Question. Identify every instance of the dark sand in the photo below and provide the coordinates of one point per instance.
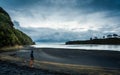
(7, 68)
(107, 60)
(110, 59)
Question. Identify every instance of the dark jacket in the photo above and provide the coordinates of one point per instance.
(31, 55)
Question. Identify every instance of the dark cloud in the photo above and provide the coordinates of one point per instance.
(17, 3)
(106, 4)
(97, 5)
(101, 14)
(87, 4)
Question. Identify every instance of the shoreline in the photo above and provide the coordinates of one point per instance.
(80, 46)
(14, 48)
(60, 60)
(54, 69)
(78, 49)
(11, 48)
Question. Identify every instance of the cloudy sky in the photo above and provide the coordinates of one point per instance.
(62, 20)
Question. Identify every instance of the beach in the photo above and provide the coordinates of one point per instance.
(7, 68)
(67, 61)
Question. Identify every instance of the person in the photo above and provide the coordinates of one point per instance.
(31, 59)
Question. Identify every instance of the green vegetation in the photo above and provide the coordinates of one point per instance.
(9, 36)
(109, 39)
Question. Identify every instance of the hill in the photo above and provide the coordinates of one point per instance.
(111, 39)
(9, 36)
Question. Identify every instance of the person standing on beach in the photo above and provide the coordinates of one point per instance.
(31, 59)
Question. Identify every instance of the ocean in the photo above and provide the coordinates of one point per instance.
(81, 46)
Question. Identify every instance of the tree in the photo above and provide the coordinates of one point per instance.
(96, 37)
(91, 38)
(109, 36)
(115, 35)
(103, 37)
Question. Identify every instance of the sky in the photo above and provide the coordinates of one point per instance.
(63, 20)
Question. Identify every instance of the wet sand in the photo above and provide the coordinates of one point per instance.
(76, 59)
(109, 59)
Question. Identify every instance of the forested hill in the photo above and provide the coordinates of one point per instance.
(9, 36)
(111, 39)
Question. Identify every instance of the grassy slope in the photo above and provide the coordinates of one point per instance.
(9, 36)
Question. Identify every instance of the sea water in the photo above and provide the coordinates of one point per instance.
(80, 46)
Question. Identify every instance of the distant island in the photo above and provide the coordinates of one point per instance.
(109, 39)
(9, 36)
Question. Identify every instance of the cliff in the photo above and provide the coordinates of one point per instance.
(9, 36)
